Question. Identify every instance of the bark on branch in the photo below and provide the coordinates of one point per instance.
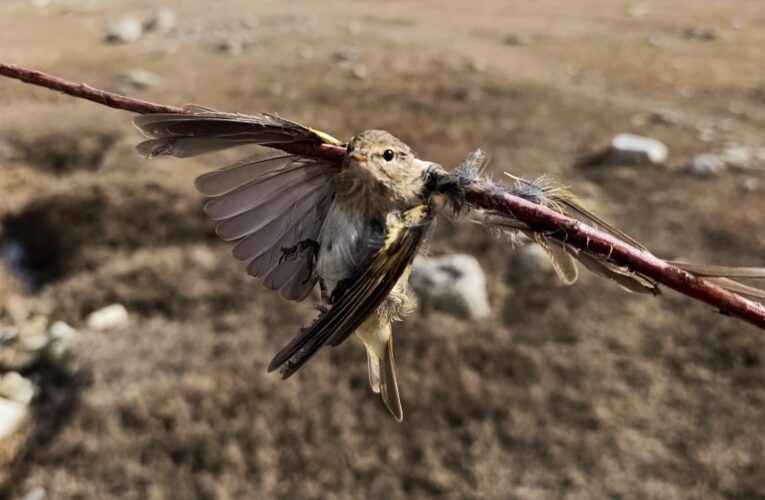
(478, 195)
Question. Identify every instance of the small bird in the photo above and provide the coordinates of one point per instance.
(352, 226)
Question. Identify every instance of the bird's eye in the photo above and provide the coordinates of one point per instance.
(388, 155)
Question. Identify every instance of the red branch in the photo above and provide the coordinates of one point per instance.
(479, 196)
(597, 242)
(84, 91)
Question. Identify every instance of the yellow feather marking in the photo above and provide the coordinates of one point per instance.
(396, 223)
(325, 137)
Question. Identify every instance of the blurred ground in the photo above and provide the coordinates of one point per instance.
(582, 392)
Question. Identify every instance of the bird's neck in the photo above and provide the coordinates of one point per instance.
(361, 191)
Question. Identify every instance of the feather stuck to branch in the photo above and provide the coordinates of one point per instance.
(561, 231)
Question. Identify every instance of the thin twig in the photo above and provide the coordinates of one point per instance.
(84, 91)
(479, 196)
(597, 242)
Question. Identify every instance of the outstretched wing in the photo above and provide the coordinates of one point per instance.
(403, 235)
(267, 204)
(201, 130)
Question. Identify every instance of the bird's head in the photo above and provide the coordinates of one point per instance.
(378, 150)
(386, 162)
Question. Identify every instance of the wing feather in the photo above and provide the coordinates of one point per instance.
(269, 204)
(561, 260)
(202, 130)
(265, 203)
(227, 179)
(263, 237)
(282, 188)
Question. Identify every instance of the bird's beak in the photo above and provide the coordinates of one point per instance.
(359, 155)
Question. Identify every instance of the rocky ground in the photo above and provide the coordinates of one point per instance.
(576, 392)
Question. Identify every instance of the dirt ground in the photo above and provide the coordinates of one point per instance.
(564, 392)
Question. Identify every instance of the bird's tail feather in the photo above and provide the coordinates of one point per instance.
(373, 365)
(389, 384)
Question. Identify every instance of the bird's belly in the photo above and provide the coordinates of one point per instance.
(338, 241)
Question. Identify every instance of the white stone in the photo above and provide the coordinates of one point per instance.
(36, 493)
(107, 318)
(707, 165)
(33, 335)
(12, 417)
(8, 333)
(630, 148)
(17, 388)
(454, 284)
(739, 157)
(61, 331)
(124, 30)
(530, 259)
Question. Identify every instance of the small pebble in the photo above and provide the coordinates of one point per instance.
(750, 184)
(630, 148)
(707, 165)
(230, 46)
(700, 34)
(17, 388)
(360, 72)
(347, 54)
(125, 30)
(454, 284)
(12, 417)
(61, 331)
(518, 39)
(36, 493)
(530, 259)
(739, 157)
(107, 318)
